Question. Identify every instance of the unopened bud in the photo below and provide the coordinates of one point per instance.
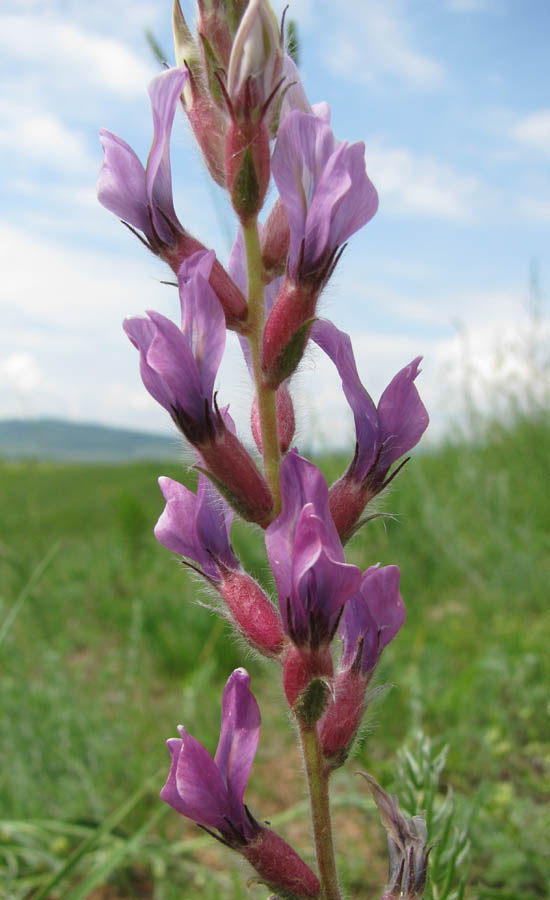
(252, 612)
(275, 240)
(233, 471)
(342, 717)
(287, 331)
(256, 62)
(347, 500)
(247, 167)
(280, 867)
(301, 667)
(285, 420)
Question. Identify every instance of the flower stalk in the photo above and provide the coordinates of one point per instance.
(266, 396)
(318, 779)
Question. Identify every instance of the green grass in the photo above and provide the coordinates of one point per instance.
(103, 651)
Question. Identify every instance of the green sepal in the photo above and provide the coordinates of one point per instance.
(213, 68)
(290, 356)
(246, 188)
(312, 702)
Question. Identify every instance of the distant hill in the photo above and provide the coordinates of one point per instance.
(57, 439)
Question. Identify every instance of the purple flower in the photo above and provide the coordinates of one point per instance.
(325, 189)
(197, 526)
(383, 433)
(210, 791)
(179, 366)
(371, 619)
(143, 197)
(307, 558)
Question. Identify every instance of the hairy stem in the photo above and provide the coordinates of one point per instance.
(317, 778)
(265, 396)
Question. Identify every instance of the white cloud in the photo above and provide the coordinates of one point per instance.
(376, 39)
(31, 136)
(533, 131)
(19, 372)
(73, 53)
(536, 209)
(420, 185)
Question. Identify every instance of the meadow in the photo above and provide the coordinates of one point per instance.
(104, 650)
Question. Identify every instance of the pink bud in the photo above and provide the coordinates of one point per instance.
(285, 420)
(252, 612)
(286, 331)
(301, 666)
(231, 298)
(237, 477)
(276, 240)
(347, 500)
(280, 867)
(247, 167)
(341, 719)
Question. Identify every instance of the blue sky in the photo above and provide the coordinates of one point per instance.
(452, 100)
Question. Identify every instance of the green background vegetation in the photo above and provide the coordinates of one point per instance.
(104, 650)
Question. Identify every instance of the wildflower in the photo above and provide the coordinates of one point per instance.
(313, 580)
(210, 791)
(384, 433)
(327, 197)
(178, 368)
(371, 619)
(142, 198)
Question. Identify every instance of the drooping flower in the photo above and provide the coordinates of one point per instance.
(384, 433)
(178, 368)
(197, 527)
(371, 619)
(306, 556)
(210, 792)
(179, 365)
(325, 189)
(142, 197)
(327, 197)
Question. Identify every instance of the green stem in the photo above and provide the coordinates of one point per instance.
(266, 396)
(317, 778)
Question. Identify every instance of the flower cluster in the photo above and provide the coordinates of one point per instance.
(330, 621)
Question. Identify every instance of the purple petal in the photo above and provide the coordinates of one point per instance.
(321, 585)
(121, 182)
(358, 624)
(171, 357)
(301, 483)
(141, 332)
(239, 736)
(203, 318)
(375, 614)
(380, 588)
(195, 787)
(337, 345)
(402, 415)
(212, 528)
(164, 91)
(360, 203)
(175, 528)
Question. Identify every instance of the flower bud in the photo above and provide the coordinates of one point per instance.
(256, 61)
(286, 331)
(235, 474)
(340, 721)
(252, 612)
(280, 867)
(275, 240)
(285, 420)
(247, 167)
(301, 667)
